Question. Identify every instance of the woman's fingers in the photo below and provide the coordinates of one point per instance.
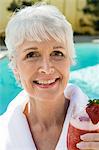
(88, 145)
(90, 141)
(90, 137)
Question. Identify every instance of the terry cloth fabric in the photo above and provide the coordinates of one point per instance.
(14, 130)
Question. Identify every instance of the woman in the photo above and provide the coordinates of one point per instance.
(41, 51)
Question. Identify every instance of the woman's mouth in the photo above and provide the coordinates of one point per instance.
(46, 83)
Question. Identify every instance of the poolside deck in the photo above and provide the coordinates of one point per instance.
(86, 39)
(3, 51)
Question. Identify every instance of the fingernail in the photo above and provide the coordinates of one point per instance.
(78, 145)
(81, 137)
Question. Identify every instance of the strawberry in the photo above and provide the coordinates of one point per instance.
(93, 110)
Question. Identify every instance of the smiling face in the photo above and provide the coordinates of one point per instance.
(43, 68)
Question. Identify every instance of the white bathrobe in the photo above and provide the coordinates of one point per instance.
(14, 130)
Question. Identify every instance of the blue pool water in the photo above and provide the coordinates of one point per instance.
(85, 74)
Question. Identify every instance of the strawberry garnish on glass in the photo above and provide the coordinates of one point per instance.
(92, 110)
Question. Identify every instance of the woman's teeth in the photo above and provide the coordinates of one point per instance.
(46, 82)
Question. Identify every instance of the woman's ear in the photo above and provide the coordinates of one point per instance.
(13, 65)
(16, 73)
(17, 76)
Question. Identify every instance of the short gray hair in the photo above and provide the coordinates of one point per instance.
(38, 23)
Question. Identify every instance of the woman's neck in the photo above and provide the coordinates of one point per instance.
(47, 113)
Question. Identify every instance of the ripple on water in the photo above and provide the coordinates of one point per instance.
(87, 79)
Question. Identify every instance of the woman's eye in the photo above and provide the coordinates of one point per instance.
(32, 54)
(57, 54)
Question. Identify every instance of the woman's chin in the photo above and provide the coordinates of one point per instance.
(48, 91)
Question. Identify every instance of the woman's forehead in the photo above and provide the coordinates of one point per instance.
(48, 43)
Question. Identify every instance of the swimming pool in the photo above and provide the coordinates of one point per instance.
(85, 74)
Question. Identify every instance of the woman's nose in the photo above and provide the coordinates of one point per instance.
(46, 67)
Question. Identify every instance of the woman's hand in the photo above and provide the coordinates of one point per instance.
(90, 141)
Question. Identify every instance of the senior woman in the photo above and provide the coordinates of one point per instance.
(41, 50)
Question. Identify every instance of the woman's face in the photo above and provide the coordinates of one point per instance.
(43, 68)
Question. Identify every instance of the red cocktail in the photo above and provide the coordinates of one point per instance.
(82, 123)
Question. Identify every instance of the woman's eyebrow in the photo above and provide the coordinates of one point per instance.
(30, 48)
(57, 47)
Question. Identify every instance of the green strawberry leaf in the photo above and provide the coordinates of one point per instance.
(94, 101)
